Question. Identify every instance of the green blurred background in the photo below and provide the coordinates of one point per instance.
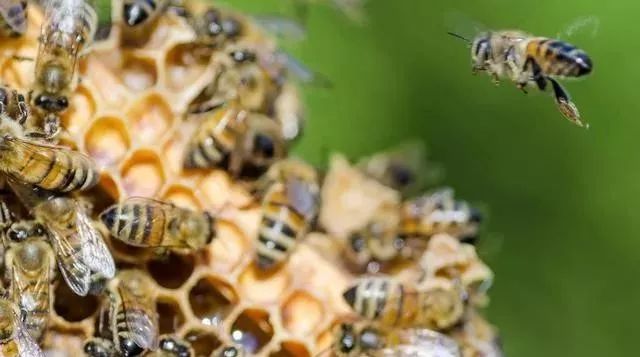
(561, 235)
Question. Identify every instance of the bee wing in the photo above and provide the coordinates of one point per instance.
(301, 198)
(353, 9)
(463, 25)
(27, 347)
(9, 9)
(143, 328)
(94, 251)
(74, 271)
(26, 289)
(583, 27)
(301, 72)
(282, 27)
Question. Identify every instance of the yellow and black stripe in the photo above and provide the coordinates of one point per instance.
(558, 58)
(137, 224)
(214, 141)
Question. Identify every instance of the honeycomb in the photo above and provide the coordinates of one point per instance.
(128, 114)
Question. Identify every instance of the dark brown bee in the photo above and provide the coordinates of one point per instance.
(13, 18)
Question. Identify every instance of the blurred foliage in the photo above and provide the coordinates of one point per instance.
(561, 198)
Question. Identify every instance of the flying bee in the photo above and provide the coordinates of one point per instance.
(131, 312)
(243, 142)
(289, 207)
(140, 18)
(526, 59)
(145, 222)
(67, 32)
(53, 168)
(15, 341)
(390, 303)
(30, 263)
(80, 251)
(13, 18)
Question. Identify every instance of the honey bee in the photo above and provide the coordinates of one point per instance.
(289, 207)
(13, 18)
(439, 212)
(30, 263)
(352, 340)
(213, 26)
(526, 59)
(140, 18)
(173, 347)
(67, 32)
(80, 251)
(244, 142)
(15, 341)
(53, 168)
(145, 222)
(132, 317)
(391, 303)
(99, 347)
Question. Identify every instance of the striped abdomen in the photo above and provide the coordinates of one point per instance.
(384, 300)
(280, 229)
(137, 224)
(124, 336)
(213, 142)
(558, 58)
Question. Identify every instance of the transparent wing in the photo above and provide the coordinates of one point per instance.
(301, 198)
(301, 72)
(94, 251)
(14, 15)
(74, 271)
(353, 9)
(282, 27)
(143, 328)
(462, 25)
(27, 347)
(424, 342)
(581, 28)
(25, 288)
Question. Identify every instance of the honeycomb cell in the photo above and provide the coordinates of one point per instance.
(138, 73)
(203, 342)
(228, 248)
(262, 286)
(107, 141)
(128, 253)
(170, 316)
(291, 349)
(142, 174)
(183, 66)
(252, 329)
(181, 196)
(172, 270)
(150, 118)
(107, 84)
(301, 304)
(72, 307)
(211, 299)
(81, 110)
(215, 188)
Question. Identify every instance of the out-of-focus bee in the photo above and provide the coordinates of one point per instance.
(246, 143)
(214, 27)
(80, 251)
(230, 351)
(13, 18)
(394, 304)
(289, 207)
(526, 59)
(30, 263)
(356, 339)
(171, 346)
(132, 318)
(49, 167)
(439, 212)
(140, 17)
(67, 32)
(100, 347)
(145, 222)
(15, 340)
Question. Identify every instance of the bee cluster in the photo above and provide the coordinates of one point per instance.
(149, 206)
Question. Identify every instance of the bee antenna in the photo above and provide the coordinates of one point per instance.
(459, 36)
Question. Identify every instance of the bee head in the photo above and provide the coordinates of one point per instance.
(129, 348)
(230, 352)
(347, 339)
(134, 14)
(212, 22)
(98, 348)
(480, 49)
(370, 339)
(174, 347)
(51, 103)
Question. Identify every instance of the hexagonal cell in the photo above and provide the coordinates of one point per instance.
(142, 174)
(262, 286)
(139, 73)
(182, 67)
(170, 316)
(82, 107)
(302, 313)
(172, 270)
(211, 300)
(110, 88)
(181, 196)
(229, 247)
(72, 307)
(203, 342)
(107, 141)
(214, 189)
(128, 253)
(150, 118)
(291, 349)
(252, 329)
(104, 194)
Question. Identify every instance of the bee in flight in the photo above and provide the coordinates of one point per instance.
(391, 303)
(15, 340)
(13, 18)
(67, 32)
(526, 59)
(30, 264)
(145, 222)
(290, 204)
(140, 18)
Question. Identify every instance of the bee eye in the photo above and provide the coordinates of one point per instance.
(62, 102)
(242, 56)
(40, 100)
(231, 27)
(402, 176)
(230, 352)
(130, 348)
(264, 145)
(17, 234)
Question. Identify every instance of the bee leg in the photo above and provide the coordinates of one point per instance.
(23, 110)
(540, 80)
(51, 126)
(565, 105)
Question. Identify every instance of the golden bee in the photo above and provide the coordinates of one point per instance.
(526, 59)
(140, 18)
(245, 143)
(30, 263)
(13, 18)
(290, 205)
(15, 340)
(67, 32)
(391, 303)
(145, 222)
